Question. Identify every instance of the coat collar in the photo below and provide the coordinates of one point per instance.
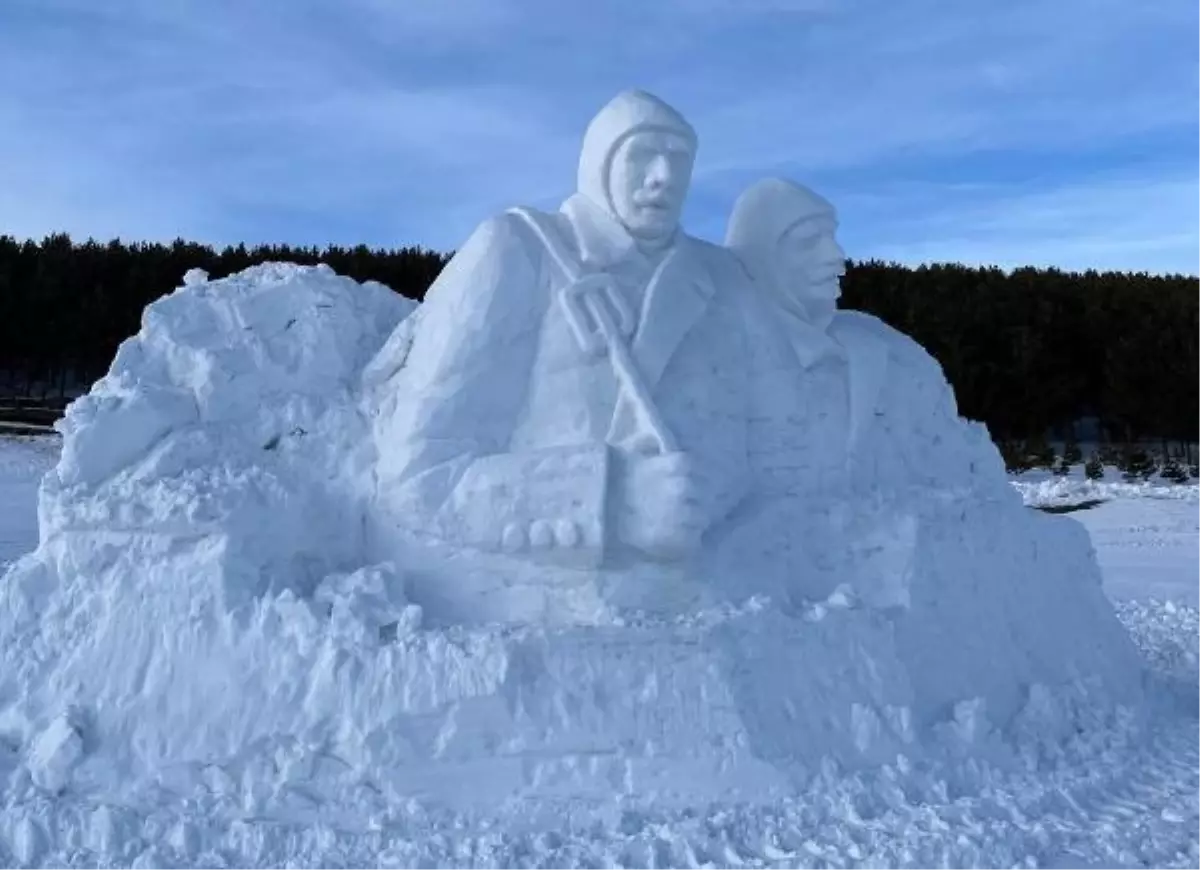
(810, 343)
(678, 293)
(601, 239)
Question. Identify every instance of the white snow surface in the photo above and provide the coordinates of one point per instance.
(1120, 797)
(1145, 532)
(23, 463)
(197, 666)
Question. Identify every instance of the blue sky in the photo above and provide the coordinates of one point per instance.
(1051, 132)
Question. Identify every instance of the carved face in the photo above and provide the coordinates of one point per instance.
(648, 181)
(810, 263)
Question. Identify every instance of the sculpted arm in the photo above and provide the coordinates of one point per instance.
(445, 467)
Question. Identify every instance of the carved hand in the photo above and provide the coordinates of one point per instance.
(660, 505)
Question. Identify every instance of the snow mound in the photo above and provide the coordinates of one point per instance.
(1046, 490)
(201, 615)
(230, 414)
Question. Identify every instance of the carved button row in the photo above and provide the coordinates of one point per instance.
(540, 535)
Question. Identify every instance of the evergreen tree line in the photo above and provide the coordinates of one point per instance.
(1043, 354)
(1032, 352)
(66, 306)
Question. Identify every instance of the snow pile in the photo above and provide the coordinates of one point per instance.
(231, 417)
(1052, 490)
(200, 617)
(209, 482)
(1121, 796)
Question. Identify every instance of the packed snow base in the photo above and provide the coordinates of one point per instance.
(1121, 797)
(198, 619)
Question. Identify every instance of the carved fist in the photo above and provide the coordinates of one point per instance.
(660, 505)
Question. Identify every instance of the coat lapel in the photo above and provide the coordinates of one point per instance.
(677, 297)
(810, 344)
(867, 358)
(601, 241)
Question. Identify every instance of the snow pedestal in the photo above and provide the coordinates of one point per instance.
(317, 696)
(728, 703)
(731, 704)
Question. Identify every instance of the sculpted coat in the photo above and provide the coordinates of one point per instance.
(848, 420)
(507, 439)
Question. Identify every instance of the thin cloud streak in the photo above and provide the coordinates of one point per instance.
(1139, 224)
(401, 123)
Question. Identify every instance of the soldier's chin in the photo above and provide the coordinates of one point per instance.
(653, 224)
(820, 311)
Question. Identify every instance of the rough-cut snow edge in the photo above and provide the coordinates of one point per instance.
(1118, 796)
(1045, 489)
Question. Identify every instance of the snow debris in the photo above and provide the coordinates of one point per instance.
(55, 753)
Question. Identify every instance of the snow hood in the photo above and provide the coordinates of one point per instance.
(627, 113)
(768, 209)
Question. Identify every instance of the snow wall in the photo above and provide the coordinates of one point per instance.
(202, 614)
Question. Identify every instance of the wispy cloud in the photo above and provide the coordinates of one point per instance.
(408, 122)
(1134, 223)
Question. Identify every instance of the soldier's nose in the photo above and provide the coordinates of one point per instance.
(658, 173)
(831, 250)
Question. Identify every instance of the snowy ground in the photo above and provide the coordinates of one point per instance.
(23, 461)
(1145, 534)
(1119, 798)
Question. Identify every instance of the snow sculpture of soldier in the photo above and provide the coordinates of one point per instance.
(848, 420)
(785, 234)
(571, 419)
(865, 477)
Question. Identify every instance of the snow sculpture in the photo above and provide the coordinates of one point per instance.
(786, 235)
(571, 420)
(741, 535)
(868, 484)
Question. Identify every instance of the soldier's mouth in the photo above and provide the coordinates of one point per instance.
(830, 273)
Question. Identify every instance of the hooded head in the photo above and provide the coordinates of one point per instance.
(636, 164)
(786, 236)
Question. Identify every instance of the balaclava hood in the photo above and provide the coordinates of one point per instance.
(765, 212)
(761, 217)
(627, 113)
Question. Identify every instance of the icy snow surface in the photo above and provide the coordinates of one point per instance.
(23, 462)
(1144, 532)
(623, 548)
(1117, 798)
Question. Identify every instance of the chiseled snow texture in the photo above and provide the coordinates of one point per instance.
(1046, 489)
(1117, 796)
(213, 475)
(230, 418)
(198, 625)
